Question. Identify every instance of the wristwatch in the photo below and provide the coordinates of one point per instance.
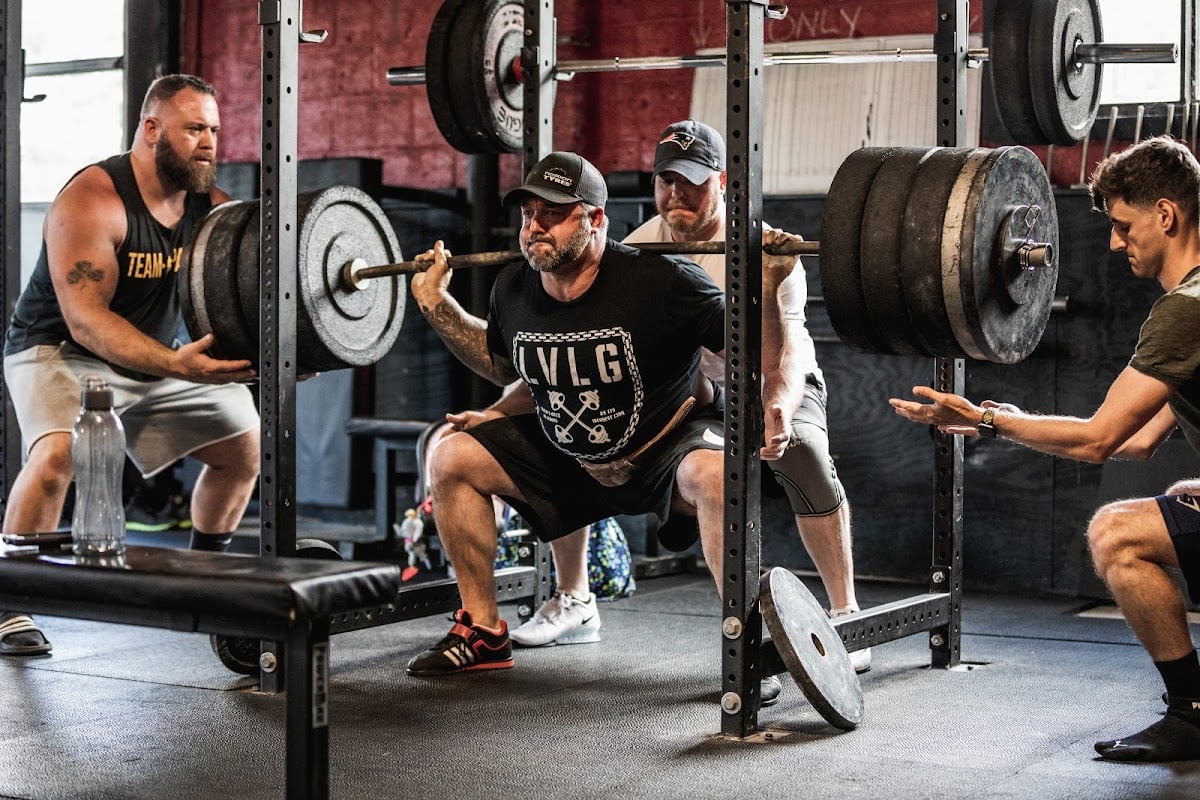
(986, 428)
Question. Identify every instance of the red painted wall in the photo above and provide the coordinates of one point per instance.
(347, 107)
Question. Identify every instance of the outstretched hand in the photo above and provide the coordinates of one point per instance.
(951, 413)
(196, 365)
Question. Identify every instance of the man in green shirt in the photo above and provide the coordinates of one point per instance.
(1151, 193)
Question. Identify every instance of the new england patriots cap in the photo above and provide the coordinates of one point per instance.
(692, 149)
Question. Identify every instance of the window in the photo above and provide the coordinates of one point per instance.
(1154, 21)
(73, 55)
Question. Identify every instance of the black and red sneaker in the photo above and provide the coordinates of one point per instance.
(465, 648)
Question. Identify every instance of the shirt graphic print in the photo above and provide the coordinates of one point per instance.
(586, 386)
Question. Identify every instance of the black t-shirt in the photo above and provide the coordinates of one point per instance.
(609, 369)
(148, 266)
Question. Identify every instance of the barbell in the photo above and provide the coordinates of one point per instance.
(1045, 66)
(945, 252)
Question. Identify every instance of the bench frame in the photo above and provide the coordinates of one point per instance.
(302, 630)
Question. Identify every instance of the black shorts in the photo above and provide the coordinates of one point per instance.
(560, 496)
(1181, 512)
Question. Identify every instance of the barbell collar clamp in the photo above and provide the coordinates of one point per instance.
(1033, 255)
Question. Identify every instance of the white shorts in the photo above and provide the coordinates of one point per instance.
(164, 419)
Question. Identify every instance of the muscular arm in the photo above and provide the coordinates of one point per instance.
(1131, 422)
(83, 229)
(784, 293)
(464, 334)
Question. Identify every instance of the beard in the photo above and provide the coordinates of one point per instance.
(689, 223)
(570, 250)
(181, 173)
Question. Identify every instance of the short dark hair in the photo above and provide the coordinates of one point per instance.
(168, 86)
(1159, 167)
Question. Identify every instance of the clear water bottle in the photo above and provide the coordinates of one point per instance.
(98, 453)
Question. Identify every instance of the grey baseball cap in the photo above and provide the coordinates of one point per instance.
(562, 178)
(692, 149)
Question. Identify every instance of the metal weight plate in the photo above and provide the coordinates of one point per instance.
(336, 328)
(1009, 67)
(342, 327)
(248, 296)
(233, 335)
(841, 228)
(998, 313)
(205, 285)
(811, 649)
(1066, 95)
(490, 96)
(921, 250)
(438, 69)
(879, 245)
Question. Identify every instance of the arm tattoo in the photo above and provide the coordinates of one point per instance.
(466, 338)
(84, 270)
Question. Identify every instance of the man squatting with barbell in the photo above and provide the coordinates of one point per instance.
(1151, 193)
(689, 191)
(103, 299)
(607, 342)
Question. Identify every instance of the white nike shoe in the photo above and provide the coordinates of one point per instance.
(563, 619)
(859, 659)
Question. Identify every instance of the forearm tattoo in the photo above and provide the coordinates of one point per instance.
(465, 336)
(84, 270)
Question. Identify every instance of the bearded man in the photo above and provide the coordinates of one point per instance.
(102, 299)
(606, 342)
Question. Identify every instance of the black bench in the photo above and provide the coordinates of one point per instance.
(285, 600)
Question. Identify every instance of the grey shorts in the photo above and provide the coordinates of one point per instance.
(164, 419)
(806, 471)
(561, 497)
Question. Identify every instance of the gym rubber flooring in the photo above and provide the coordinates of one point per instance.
(126, 712)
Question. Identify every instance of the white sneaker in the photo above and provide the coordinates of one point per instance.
(563, 619)
(859, 659)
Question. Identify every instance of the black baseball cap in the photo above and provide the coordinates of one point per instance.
(692, 149)
(563, 178)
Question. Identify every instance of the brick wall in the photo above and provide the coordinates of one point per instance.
(348, 109)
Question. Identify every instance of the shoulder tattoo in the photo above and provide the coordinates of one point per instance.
(85, 271)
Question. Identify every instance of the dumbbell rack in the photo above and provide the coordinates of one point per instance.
(744, 658)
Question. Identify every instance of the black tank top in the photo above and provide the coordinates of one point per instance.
(148, 268)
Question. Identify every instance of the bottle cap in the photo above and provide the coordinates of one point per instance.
(96, 393)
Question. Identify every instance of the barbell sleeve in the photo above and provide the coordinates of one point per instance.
(1114, 53)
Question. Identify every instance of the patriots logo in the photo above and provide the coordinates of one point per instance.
(681, 140)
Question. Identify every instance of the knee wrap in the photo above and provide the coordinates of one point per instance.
(807, 474)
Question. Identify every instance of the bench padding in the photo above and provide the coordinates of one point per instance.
(274, 592)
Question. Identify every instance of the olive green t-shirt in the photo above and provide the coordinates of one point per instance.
(1168, 350)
